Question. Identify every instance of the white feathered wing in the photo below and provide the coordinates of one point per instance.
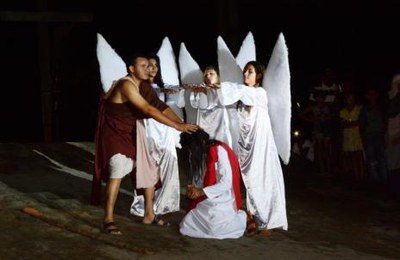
(112, 67)
(190, 74)
(170, 75)
(169, 69)
(190, 71)
(247, 51)
(277, 84)
(229, 70)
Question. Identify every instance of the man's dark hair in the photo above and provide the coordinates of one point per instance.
(131, 59)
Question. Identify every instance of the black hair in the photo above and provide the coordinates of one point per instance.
(198, 137)
(158, 78)
(131, 59)
(197, 144)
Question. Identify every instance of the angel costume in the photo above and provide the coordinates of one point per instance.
(218, 215)
(258, 155)
(217, 120)
(264, 133)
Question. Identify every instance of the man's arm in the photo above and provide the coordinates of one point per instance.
(131, 92)
(168, 112)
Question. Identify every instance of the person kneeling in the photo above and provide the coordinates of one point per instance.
(214, 211)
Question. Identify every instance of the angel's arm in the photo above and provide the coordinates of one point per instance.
(229, 93)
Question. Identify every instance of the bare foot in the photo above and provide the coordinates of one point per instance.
(157, 220)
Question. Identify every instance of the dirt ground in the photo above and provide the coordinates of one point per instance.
(45, 214)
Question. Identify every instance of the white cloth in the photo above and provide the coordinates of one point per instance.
(191, 110)
(162, 141)
(120, 166)
(176, 101)
(258, 156)
(216, 216)
(215, 118)
(147, 170)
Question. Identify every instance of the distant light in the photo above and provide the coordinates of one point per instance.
(298, 104)
(296, 133)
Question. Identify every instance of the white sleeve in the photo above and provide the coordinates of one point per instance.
(209, 100)
(194, 99)
(229, 93)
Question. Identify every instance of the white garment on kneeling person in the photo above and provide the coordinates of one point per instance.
(216, 216)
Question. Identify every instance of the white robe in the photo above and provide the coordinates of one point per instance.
(258, 156)
(215, 118)
(216, 216)
(162, 141)
(175, 101)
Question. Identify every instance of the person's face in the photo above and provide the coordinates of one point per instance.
(250, 76)
(211, 77)
(141, 68)
(153, 68)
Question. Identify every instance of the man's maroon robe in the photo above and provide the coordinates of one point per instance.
(116, 133)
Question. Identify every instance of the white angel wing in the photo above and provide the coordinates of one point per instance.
(170, 75)
(229, 70)
(190, 73)
(247, 51)
(169, 69)
(277, 83)
(189, 69)
(112, 67)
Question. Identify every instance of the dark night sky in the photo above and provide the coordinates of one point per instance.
(355, 38)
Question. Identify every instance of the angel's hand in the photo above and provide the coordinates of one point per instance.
(187, 86)
(199, 88)
(215, 85)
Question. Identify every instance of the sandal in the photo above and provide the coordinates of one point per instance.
(111, 228)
